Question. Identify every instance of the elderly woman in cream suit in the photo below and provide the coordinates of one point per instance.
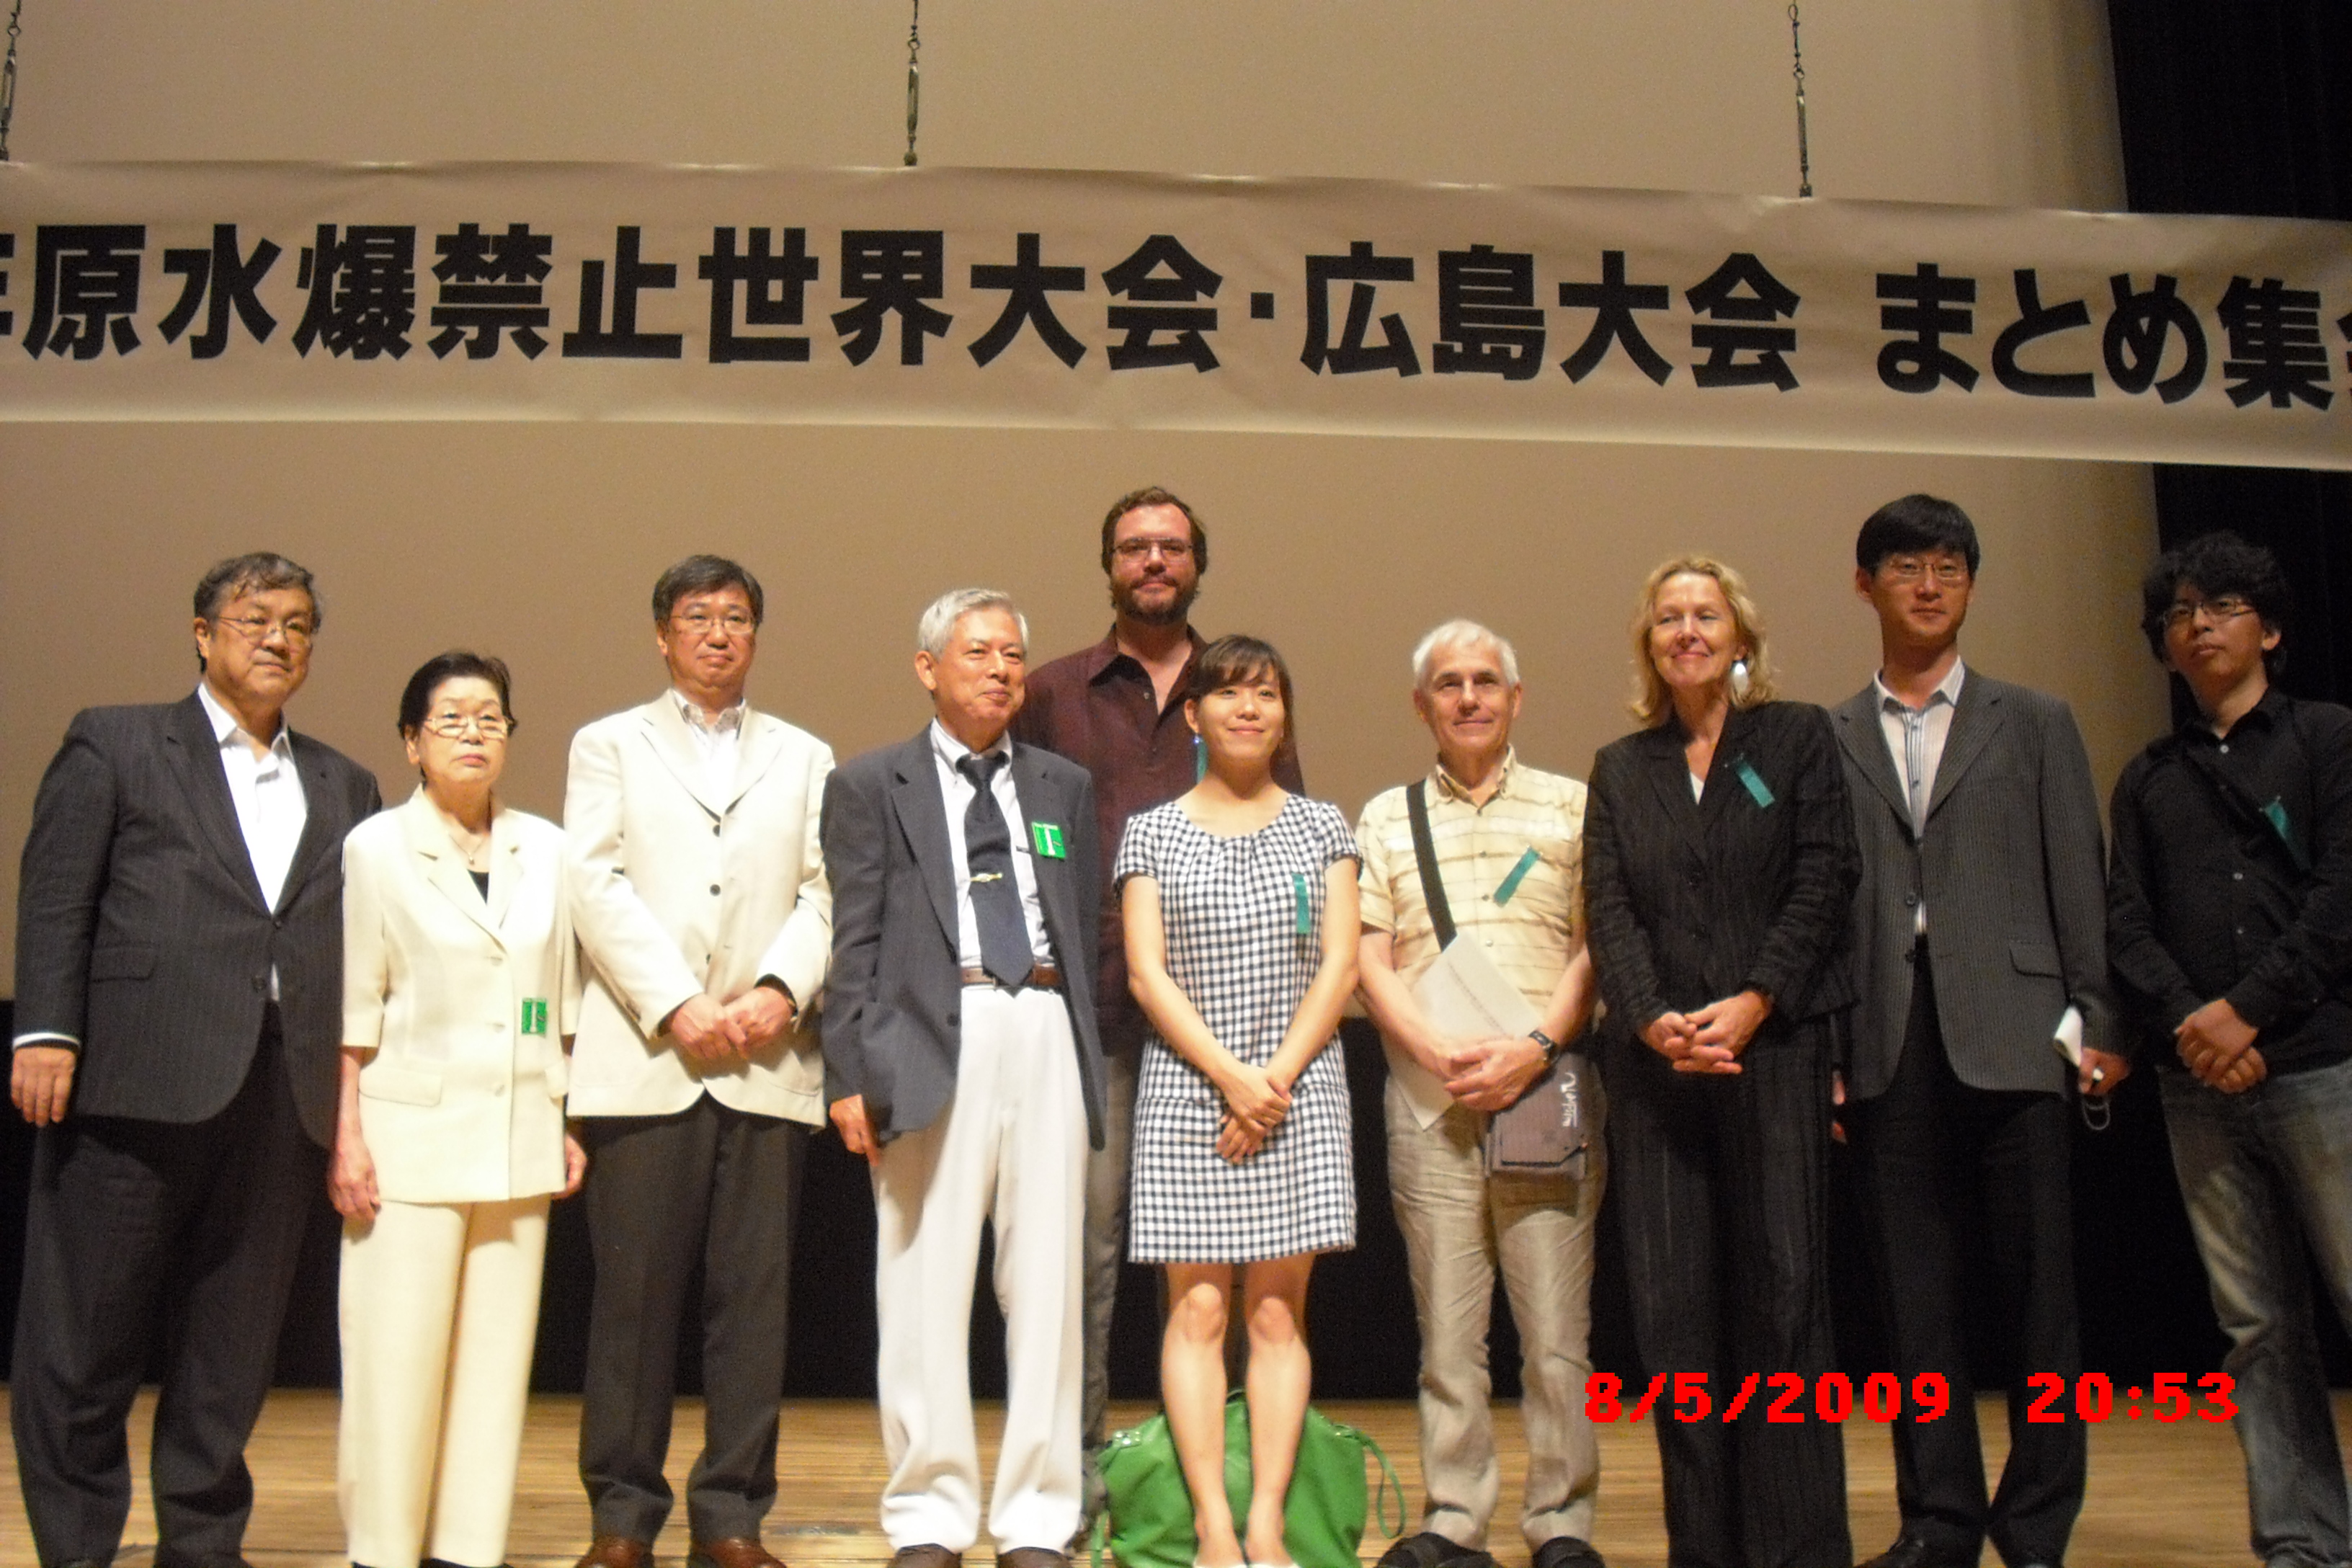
(461, 985)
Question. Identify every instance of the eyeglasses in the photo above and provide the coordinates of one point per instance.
(734, 622)
(298, 630)
(2228, 607)
(1141, 549)
(453, 726)
(1947, 572)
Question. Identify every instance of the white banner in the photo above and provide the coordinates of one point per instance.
(999, 298)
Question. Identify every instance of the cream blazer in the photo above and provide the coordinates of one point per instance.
(464, 1003)
(675, 891)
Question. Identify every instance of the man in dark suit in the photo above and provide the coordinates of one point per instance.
(963, 1061)
(178, 1002)
(1980, 941)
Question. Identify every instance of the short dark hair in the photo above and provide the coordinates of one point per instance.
(257, 573)
(457, 664)
(2217, 566)
(1231, 660)
(705, 574)
(1153, 495)
(1912, 524)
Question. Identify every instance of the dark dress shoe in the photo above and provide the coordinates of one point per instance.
(1910, 1552)
(1567, 1552)
(734, 1551)
(616, 1551)
(926, 1555)
(1032, 1557)
(1429, 1550)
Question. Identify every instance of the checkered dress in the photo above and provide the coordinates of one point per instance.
(1230, 909)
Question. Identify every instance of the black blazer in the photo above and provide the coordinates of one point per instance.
(1692, 900)
(893, 999)
(141, 932)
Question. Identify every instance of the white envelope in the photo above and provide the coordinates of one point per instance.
(1464, 995)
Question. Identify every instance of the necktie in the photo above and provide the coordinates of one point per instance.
(988, 850)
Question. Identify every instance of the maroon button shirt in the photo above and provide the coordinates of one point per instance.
(1095, 707)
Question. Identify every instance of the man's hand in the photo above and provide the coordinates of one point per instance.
(857, 1127)
(40, 1081)
(762, 1012)
(1489, 1074)
(2211, 1038)
(704, 1030)
(2100, 1072)
(2243, 1074)
(1837, 1106)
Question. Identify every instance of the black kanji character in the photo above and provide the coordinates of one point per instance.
(1931, 313)
(363, 290)
(491, 284)
(891, 269)
(2274, 347)
(1169, 304)
(85, 289)
(7, 252)
(1361, 271)
(631, 276)
(1028, 281)
(2137, 335)
(2035, 319)
(1717, 297)
(227, 281)
(1487, 318)
(1613, 301)
(775, 285)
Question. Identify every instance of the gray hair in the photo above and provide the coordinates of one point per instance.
(939, 621)
(1424, 652)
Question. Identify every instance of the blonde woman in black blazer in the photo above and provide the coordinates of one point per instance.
(1719, 870)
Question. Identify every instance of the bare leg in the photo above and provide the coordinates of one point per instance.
(1274, 1296)
(1192, 1386)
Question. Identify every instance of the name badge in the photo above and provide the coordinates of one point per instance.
(1306, 908)
(534, 1015)
(1046, 840)
(1527, 863)
(1756, 788)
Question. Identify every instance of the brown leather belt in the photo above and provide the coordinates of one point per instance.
(1042, 977)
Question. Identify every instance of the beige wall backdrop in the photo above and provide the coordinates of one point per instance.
(538, 541)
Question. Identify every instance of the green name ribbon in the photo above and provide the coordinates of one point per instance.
(1527, 863)
(534, 1015)
(1200, 758)
(1047, 840)
(2275, 814)
(1756, 788)
(1306, 910)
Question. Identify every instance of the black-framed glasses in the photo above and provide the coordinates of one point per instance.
(1141, 548)
(2218, 611)
(298, 630)
(452, 726)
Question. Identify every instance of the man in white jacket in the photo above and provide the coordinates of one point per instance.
(698, 893)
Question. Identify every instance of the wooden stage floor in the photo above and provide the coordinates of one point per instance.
(2160, 1495)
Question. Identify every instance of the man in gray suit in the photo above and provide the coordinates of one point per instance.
(963, 1061)
(179, 1003)
(1979, 936)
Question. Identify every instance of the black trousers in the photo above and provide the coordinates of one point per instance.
(133, 1226)
(712, 1189)
(1722, 1188)
(1965, 1191)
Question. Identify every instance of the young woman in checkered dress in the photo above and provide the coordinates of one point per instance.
(1240, 901)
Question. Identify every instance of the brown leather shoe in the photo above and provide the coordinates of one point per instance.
(735, 1552)
(1032, 1557)
(616, 1551)
(926, 1556)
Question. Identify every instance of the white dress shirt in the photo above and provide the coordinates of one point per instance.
(717, 741)
(267, 791)
(1914, 739)
(957, 793)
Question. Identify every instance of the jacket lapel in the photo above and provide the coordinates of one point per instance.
(1858, 732)
(665, 731)
(1669, 774)
(923, 815)
(322, 831)
(756, 751)
(444, 867)
(506, 867)
(1054, 892)
(195, 753)
(1975, 719)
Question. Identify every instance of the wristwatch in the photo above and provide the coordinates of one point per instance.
(1551, 1047)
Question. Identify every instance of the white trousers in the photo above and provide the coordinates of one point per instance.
(440, 1308)
(1010, 1150)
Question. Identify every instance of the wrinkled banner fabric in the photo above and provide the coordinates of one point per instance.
(1103, 301)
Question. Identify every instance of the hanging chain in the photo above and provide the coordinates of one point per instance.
(914, 78)
(9, 77)
(1804, 148)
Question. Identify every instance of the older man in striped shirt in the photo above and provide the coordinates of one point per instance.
(1508, 844)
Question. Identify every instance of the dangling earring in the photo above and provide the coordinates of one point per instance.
(1738, 680)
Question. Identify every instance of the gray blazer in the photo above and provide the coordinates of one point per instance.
(2010, 865)
(143, 934)
(893, 996)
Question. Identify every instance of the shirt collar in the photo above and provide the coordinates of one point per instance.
(225, 726)
(729, 722)
(1947, 688)
(2271, 710)
(1451, 787)
(951, 751)
(1106, 653)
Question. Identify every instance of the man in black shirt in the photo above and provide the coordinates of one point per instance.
(2229, 929)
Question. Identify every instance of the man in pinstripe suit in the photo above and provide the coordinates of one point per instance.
(1979, 925)
(179, 975)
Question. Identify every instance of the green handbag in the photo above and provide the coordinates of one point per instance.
(1149, 1519)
